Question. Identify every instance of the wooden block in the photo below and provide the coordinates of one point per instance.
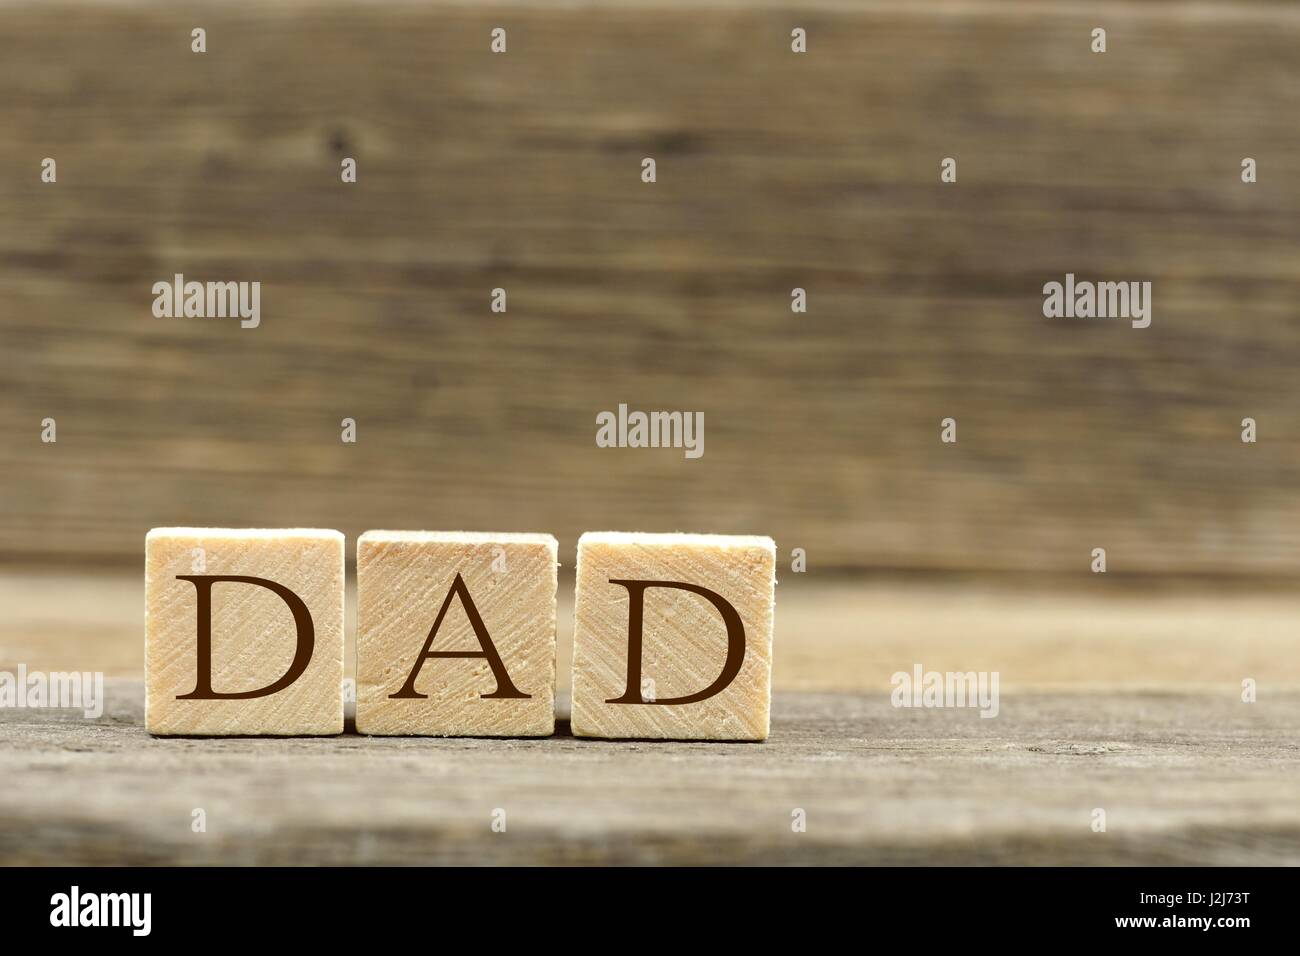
(673, 636)
(456, 634)
(243, 631)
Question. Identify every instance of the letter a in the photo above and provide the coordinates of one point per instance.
(504, 690)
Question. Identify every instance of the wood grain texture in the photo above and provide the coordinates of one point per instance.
(775, 170)
(1191, 779)
(685, 643)
(252, 636)
(492, 596)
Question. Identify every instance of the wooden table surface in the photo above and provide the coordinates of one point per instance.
(1124, 698)
(1182, 779)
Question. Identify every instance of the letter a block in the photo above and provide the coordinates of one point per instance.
(243, 631)
(673, 636)
(456, 634)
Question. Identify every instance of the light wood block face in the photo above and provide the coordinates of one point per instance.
(692, 643)
(254, 636)
(491, 599)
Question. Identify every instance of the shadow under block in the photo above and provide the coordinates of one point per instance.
(456, 634)
(284, 635)
(705, 654)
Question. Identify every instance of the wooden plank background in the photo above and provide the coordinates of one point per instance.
(775, 171)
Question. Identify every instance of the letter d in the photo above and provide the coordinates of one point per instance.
(636, 614)
(301, 619)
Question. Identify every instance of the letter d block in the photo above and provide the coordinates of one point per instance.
(456, 634)
(673, 636)
(243, 631)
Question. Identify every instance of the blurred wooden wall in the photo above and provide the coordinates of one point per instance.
(775, 170)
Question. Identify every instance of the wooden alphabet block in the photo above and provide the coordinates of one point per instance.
(456, 634)
(243, 631)
(673, 636)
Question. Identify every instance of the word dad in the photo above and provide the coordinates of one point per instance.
(455, 634)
